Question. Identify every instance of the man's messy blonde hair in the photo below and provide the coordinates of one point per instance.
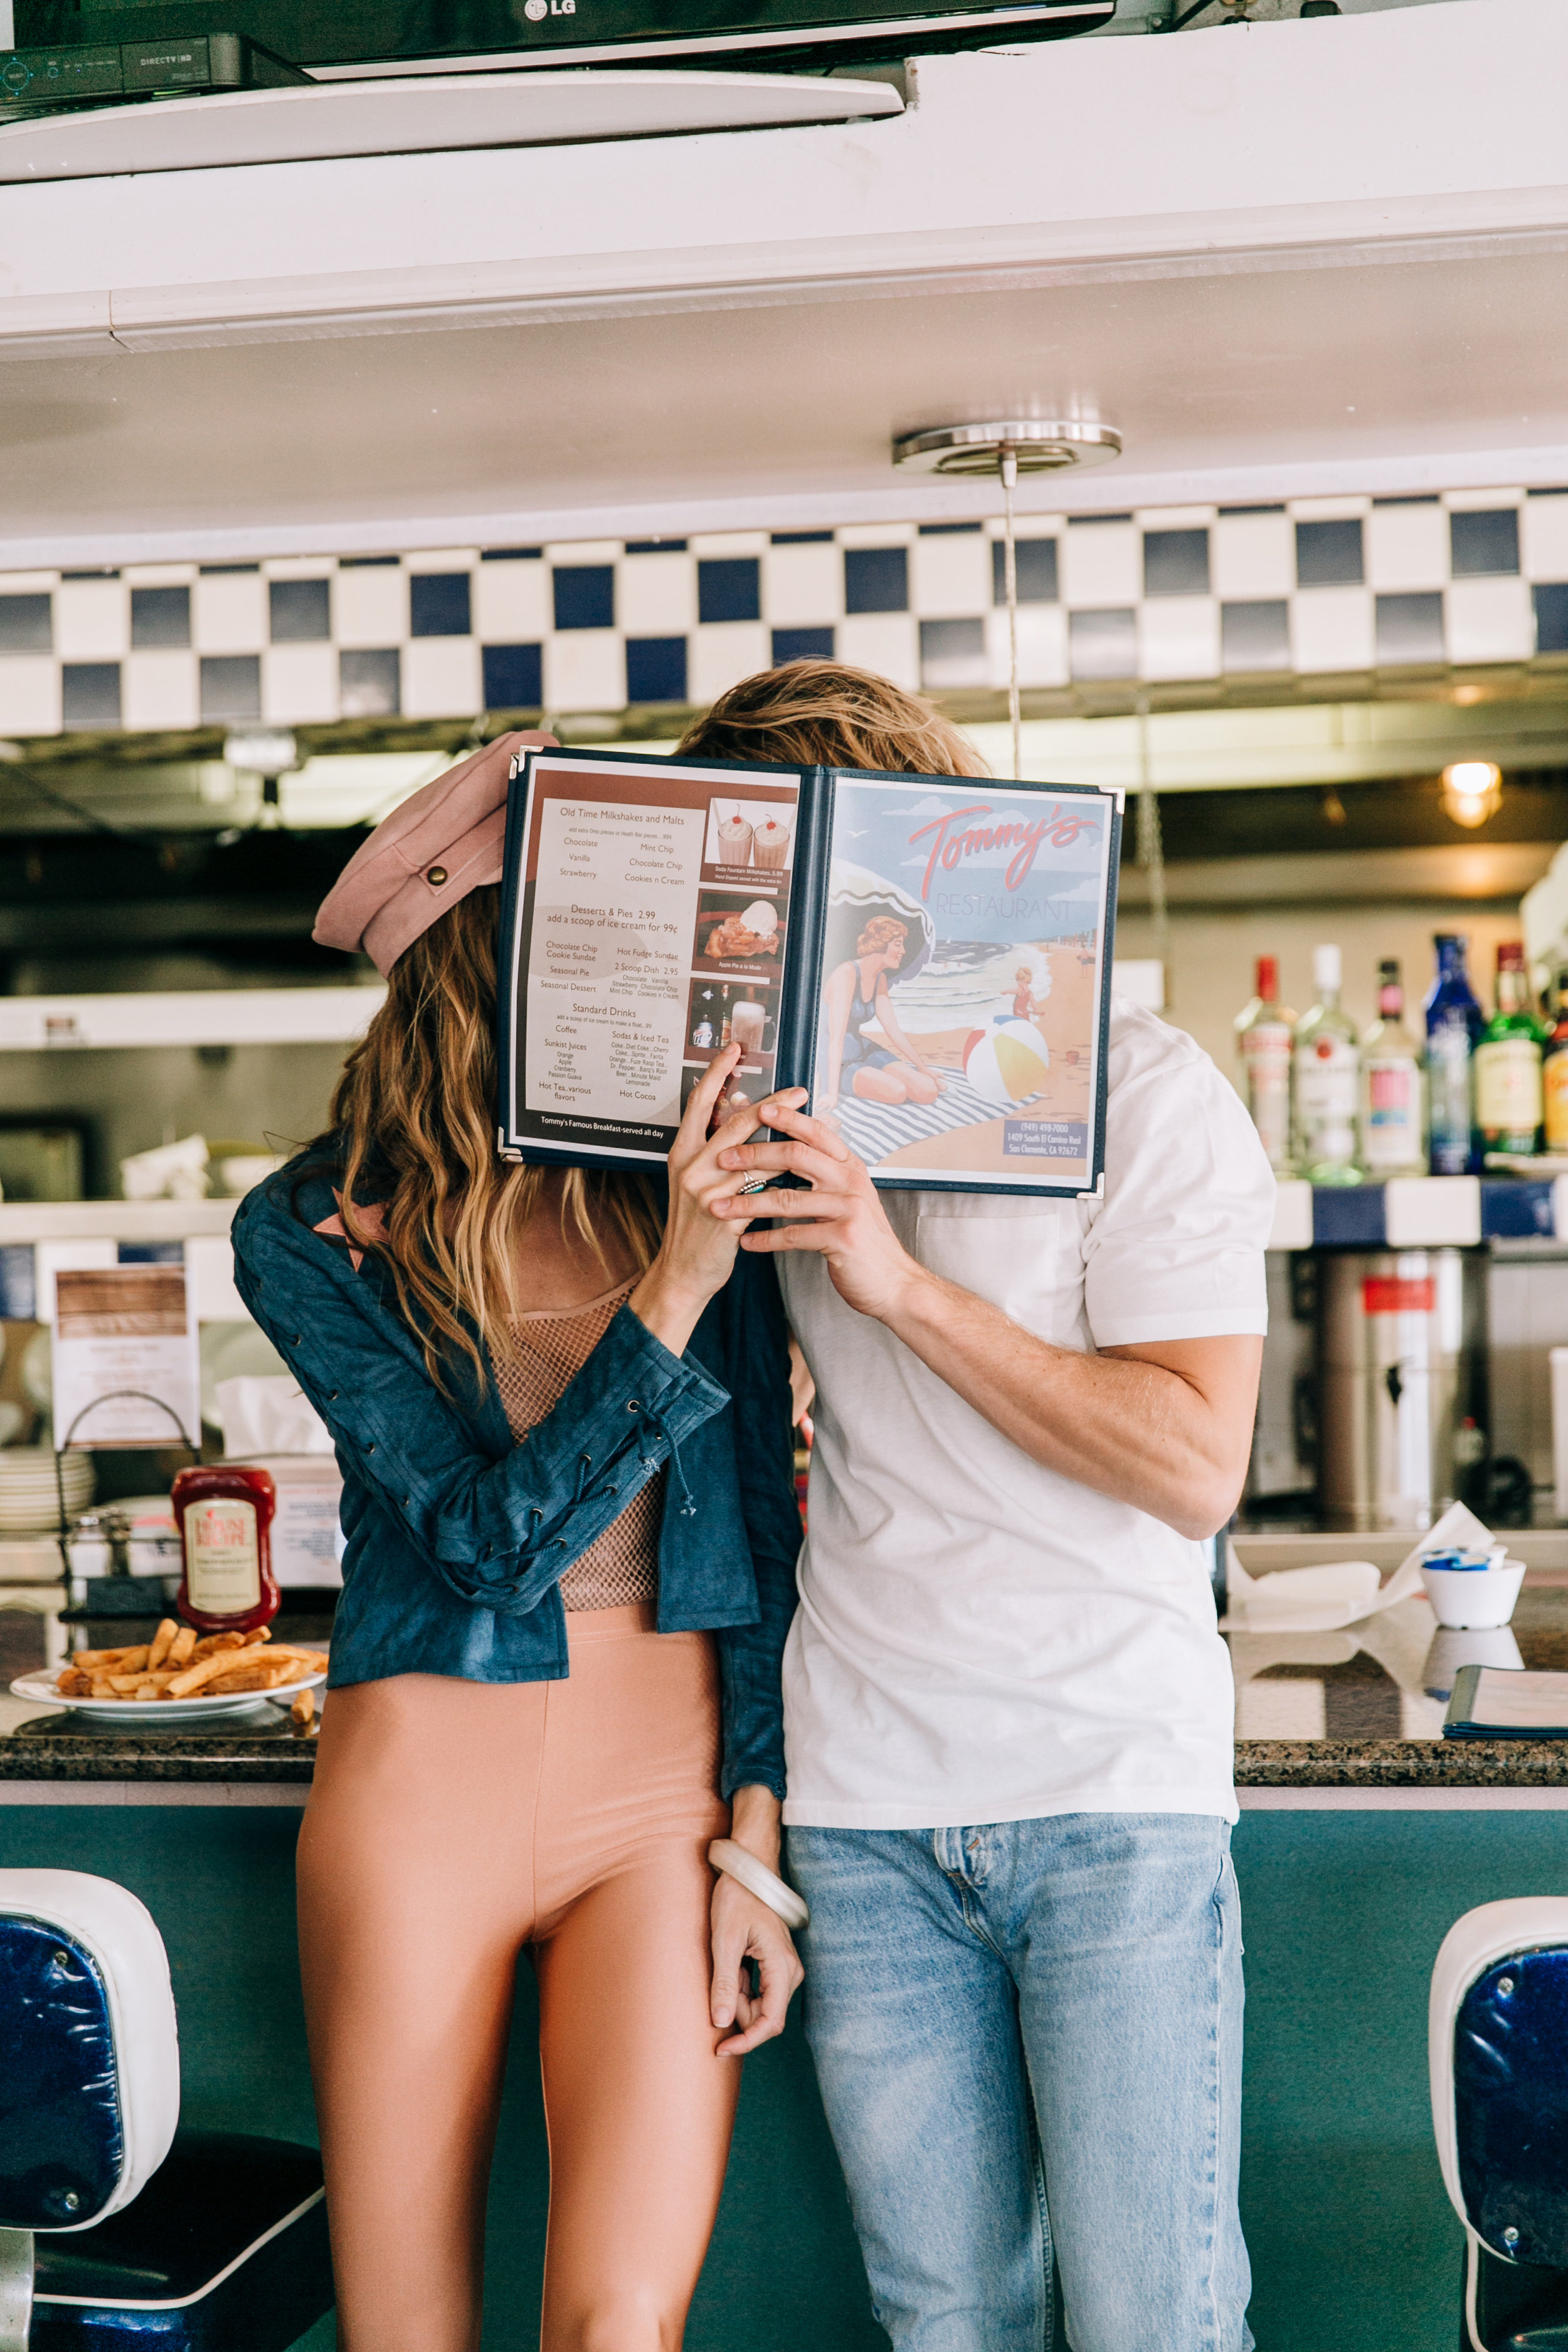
(823, 714)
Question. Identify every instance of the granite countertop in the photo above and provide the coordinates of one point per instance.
(63, 1746)
(261, 1746)
(1363, 1707)
(1359, 1708)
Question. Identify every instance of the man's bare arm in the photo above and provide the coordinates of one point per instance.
(1165, 1426)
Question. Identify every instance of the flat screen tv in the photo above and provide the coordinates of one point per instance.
(430, 35)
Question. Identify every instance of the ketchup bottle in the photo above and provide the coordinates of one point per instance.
(224, 1514)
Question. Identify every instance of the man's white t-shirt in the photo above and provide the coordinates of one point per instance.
(980, 1638)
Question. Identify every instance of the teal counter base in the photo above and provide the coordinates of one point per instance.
(1354, 2245)
(784, 2272)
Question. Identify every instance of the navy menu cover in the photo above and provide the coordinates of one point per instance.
(1507, 1703)
(929, 955)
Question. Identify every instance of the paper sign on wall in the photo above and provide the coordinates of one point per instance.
(118, 1328)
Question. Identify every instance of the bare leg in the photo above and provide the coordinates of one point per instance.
(639, 2108)
(414, 1901)
(883, 1086)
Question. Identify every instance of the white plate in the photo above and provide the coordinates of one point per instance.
(39, 1690)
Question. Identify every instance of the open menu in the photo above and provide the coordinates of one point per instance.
(929, 955)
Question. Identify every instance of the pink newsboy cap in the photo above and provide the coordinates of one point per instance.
(444, 841)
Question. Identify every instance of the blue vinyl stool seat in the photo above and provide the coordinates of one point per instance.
(1498, 2054)
(115, 2228)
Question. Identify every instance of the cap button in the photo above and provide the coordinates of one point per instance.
(436, 875)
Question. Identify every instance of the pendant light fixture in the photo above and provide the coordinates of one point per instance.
(1004, 450)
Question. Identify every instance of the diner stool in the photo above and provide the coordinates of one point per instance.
(116, 2227)
(1498, 2046)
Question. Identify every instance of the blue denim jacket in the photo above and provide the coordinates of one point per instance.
(457, 1534)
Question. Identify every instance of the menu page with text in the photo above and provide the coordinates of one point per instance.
(648, 925)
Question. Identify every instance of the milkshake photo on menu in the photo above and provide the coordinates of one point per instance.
(757, 834)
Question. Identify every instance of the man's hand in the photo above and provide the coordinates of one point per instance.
(841, 1217)
(1166, 1427)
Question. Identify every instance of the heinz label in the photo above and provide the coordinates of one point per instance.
(223, 1557)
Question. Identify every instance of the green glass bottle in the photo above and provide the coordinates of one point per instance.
(1508, 1062)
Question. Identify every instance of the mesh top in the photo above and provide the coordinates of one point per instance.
(622, 1565)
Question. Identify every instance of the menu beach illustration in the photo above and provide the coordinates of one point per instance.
(929, 955)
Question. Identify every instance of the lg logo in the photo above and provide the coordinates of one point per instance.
(537, 10)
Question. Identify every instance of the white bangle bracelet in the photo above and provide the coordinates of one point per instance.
(738, 1864)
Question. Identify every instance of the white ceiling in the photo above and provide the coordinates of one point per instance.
(1299, 258)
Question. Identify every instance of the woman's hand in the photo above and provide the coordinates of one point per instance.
(698, 1253)
(745, 1930)
(841, 1216)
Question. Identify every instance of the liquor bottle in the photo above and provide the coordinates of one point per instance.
(703, 1032)
(1454, 1025)
(1393, 1087)
(1554, 1070)
(725, 1019)
(1263, 1032)
(1508, 1062)
(1325, 1072)
(224, 1514)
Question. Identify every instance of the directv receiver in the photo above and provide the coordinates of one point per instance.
(102, 73)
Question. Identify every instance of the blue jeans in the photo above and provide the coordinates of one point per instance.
(1032, 2009)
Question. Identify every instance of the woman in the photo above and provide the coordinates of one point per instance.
(555, 1668)
(855, 994)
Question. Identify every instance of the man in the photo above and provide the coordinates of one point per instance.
(1008, 1712)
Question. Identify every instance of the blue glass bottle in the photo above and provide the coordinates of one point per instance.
(1454, 1025)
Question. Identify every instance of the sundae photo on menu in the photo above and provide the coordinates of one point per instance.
(929, 957)
(733, 928)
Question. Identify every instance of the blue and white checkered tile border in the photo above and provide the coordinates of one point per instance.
(1314, 586)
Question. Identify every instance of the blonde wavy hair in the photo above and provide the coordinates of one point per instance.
(414, 1131)
(413, 1114)
(882, 931)
(823, 714)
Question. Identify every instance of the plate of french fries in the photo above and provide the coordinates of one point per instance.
(181, 1677)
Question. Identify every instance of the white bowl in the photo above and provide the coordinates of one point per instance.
(247, 1169)
(1474, 1596)
(1454, 1646)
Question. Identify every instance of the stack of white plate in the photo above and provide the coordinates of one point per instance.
(29, 1496)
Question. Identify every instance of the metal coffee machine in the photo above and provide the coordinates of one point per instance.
(1403, 1417)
